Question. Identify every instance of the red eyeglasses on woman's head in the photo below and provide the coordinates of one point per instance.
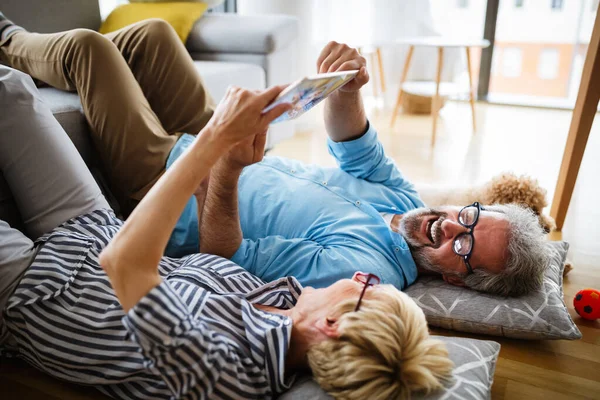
(368, 280)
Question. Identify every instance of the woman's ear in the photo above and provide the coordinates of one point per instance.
(329, 327)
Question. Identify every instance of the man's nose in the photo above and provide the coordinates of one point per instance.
(451, 229)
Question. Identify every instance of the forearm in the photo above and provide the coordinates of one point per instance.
(138, 247)
(200, 196)
(345, 117)
(220, 226)
(131, 259)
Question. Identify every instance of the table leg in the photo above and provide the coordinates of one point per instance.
(372, 62)
(436, 103)
(471, 88)
(381, 75)
(402, 79)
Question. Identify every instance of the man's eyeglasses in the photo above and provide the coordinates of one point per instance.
(367, 280)
(463, 243)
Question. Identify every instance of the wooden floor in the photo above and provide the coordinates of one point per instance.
(523, 140)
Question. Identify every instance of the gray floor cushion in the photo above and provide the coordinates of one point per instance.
(538, 315)
(473, 375)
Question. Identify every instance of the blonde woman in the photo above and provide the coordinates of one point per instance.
(93, 301)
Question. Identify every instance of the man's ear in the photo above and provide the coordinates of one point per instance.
(454, 280)
(329, 327)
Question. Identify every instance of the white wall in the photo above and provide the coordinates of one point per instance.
(450, 20)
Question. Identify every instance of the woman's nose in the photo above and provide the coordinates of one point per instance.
(451, 228)
(356, 276)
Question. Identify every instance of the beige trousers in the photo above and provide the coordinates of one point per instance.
(138, 87)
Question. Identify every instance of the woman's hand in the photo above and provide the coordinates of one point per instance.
(239, 115)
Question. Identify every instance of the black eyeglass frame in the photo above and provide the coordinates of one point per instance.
(367, 282)
(471, 227)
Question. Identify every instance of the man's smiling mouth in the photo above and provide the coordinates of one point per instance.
(433, 229)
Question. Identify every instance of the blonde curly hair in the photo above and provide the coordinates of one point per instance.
(384, 350)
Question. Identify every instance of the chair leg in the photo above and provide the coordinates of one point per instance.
(436, 104)
(381, 74)
(402, 79)
(471, 88)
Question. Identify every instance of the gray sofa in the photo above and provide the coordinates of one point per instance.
(248, 51)
(228, 49)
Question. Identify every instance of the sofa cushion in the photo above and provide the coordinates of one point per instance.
(218, 76)
(234, 33)
(45, 16)
(180, 15)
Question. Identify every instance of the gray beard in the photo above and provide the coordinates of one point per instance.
(409, 225)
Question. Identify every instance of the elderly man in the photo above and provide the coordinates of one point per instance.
(318, 224)
(93, 301)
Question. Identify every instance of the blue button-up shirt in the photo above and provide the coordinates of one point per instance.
(321, 224)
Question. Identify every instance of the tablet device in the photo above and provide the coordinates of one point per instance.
(306, 93)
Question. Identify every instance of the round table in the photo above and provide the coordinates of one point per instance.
(440, 42)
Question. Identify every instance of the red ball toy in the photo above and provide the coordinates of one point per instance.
(587, 304)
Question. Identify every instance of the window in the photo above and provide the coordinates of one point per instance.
(496, 60)
(547, 67)
(106, 6)
(556, 5)
(519, 3)
(462, 3)
(512, 60)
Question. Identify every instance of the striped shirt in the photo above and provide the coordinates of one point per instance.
(196, 335)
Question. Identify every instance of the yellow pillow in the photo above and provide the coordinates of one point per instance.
(181, 16)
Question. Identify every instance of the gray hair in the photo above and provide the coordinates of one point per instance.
(527, 256)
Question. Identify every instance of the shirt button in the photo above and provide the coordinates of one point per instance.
(324, 183)
(357, 203)
(396, 249)
(286, 322)
(293, 171)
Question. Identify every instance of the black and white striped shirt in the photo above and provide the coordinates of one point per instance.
(196, 335)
